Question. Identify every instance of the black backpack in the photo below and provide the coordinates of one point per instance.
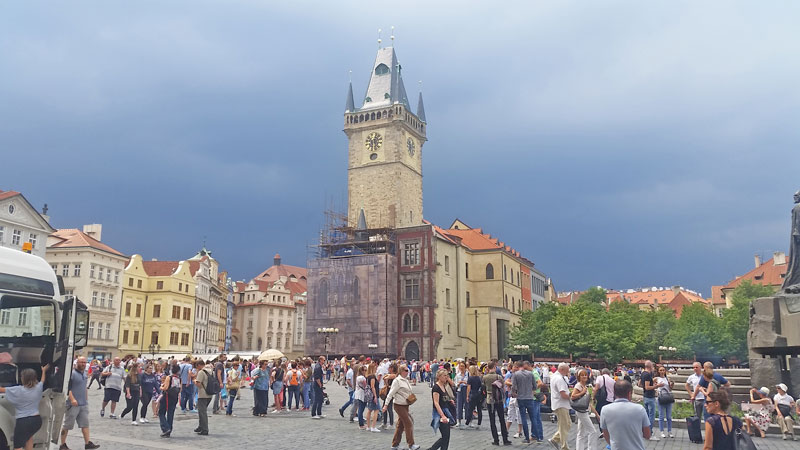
(212, 384)
(601, 394)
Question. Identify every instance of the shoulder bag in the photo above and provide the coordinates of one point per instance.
(581, 404)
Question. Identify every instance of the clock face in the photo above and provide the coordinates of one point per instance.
(373, 142)
(411, 146)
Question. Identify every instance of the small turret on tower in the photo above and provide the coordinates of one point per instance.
(350, 105)
(421, 108)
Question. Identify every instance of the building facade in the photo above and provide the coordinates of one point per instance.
(20, 222)
(158, 307)
(93, 272)
(769, 273)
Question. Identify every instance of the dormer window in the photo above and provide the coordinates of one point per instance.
(368, 99)
(382, 69)
(386, 95)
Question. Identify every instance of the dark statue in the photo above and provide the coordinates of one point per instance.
(791, 284)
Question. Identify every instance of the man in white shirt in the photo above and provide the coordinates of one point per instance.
(625, 425)
(691, 385)
(349, 381)
(559, 390)
(784, 404)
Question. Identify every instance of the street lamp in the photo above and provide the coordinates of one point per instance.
(372, 348)
(327, 332)
(523, 348)
(154, 348)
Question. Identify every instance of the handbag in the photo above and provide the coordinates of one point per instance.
(743, 441)
(411, 399)
(665, 398)
(582, 404)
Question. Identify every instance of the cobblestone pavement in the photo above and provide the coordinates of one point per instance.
(288, 430)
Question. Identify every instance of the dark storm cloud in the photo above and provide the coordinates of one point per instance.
(614, 143)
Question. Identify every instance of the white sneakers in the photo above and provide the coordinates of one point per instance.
(143, 420)
(654, 438)
(663, 436)
(135, 423)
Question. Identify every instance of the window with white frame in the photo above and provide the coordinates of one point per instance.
(100, 271)
(32, 240)
(102, 299)
(5, 317)
(110, 300)
(23, 317)
(16, 236)
(116, 276)
(108, 275)
(91, 271)
(65, 270)
(94, 298)
(91, 330)
(45, 327)
(77, 270)
(2, 233)
(108, 331)
(411, 254)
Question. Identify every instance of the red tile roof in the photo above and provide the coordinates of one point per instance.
(7, 194)
(74, 238)
(167, 268)
(476, 239)
(275, 272)
(767, 274)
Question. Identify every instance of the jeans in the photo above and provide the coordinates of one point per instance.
(587, 437)
(390, 415)
(537, 431)
(349, 402)
(231, 397)
(166, 412)
(215, 408)
(261, 397)
(495, 409)
(665, 413)
(650, 405)
(132, 405)
(294, 391)
(461, 403)
(360, 405)
(187, 396)
(475, 402)
(700, 410)
(202, 413)
(306, 395)
(316, 408)
(525, 407)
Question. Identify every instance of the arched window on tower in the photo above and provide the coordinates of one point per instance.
(372, 117)
(406, 323)
(382, 69)
(415, 322)
(356, 292)
(322, 295)
(489, 272)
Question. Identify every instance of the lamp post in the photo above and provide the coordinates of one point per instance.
(523, 347)
(372, 348)
(327, 332)
(154, 348)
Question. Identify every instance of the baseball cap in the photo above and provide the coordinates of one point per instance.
(764, 390)
(782, 386)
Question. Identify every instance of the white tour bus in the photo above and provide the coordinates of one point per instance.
(37, 327)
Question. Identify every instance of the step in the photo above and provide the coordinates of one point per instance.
(724, 372)
(740, 381)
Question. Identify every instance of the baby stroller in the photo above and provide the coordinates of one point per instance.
(327, 400)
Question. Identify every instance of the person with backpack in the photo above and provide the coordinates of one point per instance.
(207, 387)
(170, 388)
(603, 392)
(495, 399)
(294, 379)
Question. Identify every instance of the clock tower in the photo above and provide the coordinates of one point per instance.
(384, 177)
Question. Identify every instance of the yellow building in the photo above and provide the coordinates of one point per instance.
(158, 303)
(482, 287)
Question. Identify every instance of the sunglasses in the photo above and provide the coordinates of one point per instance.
(710, 401)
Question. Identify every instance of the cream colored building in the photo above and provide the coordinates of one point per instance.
(210, 304)
(92, 271)
(20, 222)
(158, 307)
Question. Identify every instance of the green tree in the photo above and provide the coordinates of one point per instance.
(736, 319)
(697, 332)
(531, 329)
(594, 294)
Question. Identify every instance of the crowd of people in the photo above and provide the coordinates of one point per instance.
(382, 391)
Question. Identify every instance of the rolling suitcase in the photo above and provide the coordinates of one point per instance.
(693, 428)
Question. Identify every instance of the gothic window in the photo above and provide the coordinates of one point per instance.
(361, 117)
(406, 323)
(415, 322)
(382, 69)
(356, 293)
(372, 117)
(322, 295)
(489, 272)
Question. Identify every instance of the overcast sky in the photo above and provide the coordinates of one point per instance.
(616, 143)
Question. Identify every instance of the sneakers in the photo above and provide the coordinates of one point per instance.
(663, 436)
(141, 420)
(375, 430)
(63, 447)
(165, 434)
(91, 445)
(102, 412)
(654, 438)
(671, 435)
(113, 416)
(413, 447)
(135, 423)
(341, 413)
(553, 443)
(516, 435)
(316, 417)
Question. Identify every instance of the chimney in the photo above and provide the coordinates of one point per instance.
(277, 260)
(758, 261)
(780, 258)
(94, 230)
(44, 213)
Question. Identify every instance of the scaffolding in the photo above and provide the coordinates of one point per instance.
(339, 240)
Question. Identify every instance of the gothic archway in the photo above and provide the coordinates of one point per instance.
(412, 351)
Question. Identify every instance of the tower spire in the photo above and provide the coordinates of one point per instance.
(350, 104)
(421, 107)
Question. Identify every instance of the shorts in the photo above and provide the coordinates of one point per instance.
(111, 395)
(79, 413)
(373, 406)
(513, 412)
(277, 387)
(25, 428)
